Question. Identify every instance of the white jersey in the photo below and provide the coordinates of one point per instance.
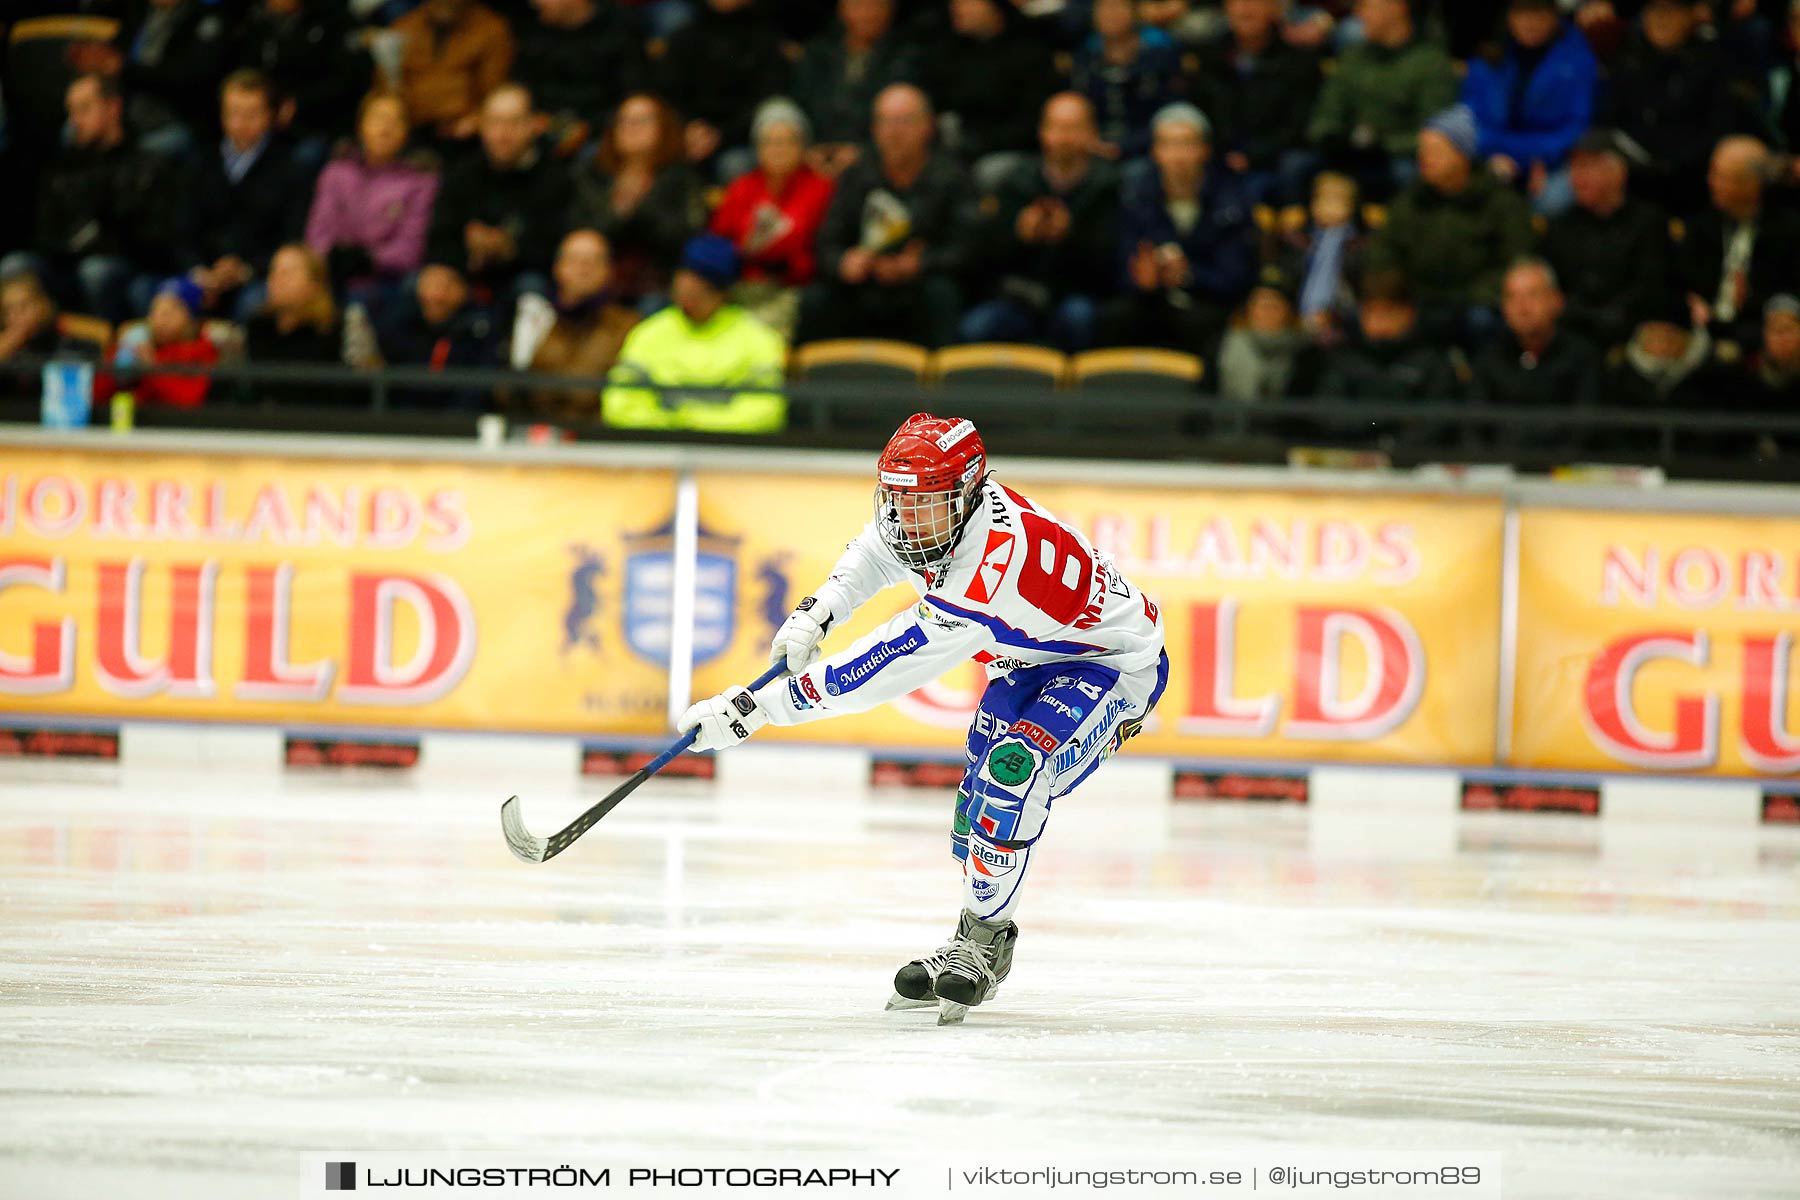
(1021, 589)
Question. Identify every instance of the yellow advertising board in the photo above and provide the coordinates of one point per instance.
(1300, 625)
(358, 592)
(1657, 641)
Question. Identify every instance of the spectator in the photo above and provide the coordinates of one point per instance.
(718, 69)
(1324, 255)
(373, 207)
(304, 48)
(640, 194)
(1533, 362)
(1267, 355)
(1663, 368)
(31, 327)
(1389, 363)
(1534, 101)
(663, 19)
(169, 335)
(896, 236)
(1259, 92)
(300, 324)
(1454, 231)
(700, 341)
(841, 73)
(1177, 19)
(579, 58)
(1611, 251)
(772, 215)
(1738, 252)
(249, 197)
(498, 216)
(988, 79)
(453, 54)
(1129, 73)
(1050, 240)
(1186, 243)
(109, 214)
(1370, 112)
(1670, 93)
(169, 57)
(1772, 385)
(438, 327)
(584, 336)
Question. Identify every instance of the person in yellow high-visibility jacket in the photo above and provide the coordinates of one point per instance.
(703, 342)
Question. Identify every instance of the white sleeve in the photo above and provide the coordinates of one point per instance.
(910, 649)
(866, 567)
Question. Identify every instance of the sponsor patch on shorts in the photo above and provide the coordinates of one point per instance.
(1011, 763)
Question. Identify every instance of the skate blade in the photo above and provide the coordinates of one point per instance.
(952, 1013)
(897, 1002)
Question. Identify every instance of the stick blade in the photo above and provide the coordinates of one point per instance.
(525, 846)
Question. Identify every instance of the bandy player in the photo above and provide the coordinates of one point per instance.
(1074, 657)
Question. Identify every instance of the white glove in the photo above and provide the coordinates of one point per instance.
(797, 641)
(723, 721)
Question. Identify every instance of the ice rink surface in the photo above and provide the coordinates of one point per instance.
(204, 975)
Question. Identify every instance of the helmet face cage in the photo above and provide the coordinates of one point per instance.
(921, 526)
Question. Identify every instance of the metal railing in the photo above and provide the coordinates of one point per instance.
(1124, 423)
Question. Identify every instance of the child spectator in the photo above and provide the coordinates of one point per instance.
(1266, 355)
(170, 335)
(1324, 255)
(31, 327)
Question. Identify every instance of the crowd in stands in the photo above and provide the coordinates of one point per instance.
(1542, 203)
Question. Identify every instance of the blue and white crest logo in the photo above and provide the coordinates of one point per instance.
(649, 602)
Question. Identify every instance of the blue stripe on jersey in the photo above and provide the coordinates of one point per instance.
(1006, 635)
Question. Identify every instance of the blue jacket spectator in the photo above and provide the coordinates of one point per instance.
(1533, 104)
(1128, 73)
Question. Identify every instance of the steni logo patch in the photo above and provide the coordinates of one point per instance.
(994, 561)
(990, 861)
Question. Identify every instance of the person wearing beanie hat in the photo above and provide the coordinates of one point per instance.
(1453, 233)
(772, 214)
(169, 334)
(701, 341)
(1532, 100)
(1456, 125)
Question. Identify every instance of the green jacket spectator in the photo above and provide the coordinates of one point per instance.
(1384, 89)
(1455, 231)
(700, 341)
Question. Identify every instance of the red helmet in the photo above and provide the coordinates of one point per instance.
(927, 479)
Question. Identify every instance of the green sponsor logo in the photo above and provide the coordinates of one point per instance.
(1010, 763)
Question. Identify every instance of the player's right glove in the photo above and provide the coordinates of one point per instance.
(797, 641)
(723, 721)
